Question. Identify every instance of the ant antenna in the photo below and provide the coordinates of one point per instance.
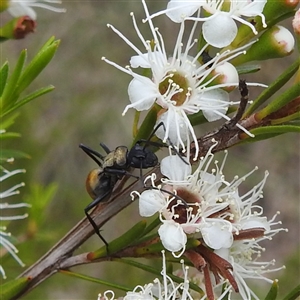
(92, 154)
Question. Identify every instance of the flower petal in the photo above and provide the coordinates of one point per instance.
(176, 127)
(150, 202)
(214, 104)
(216, 233)
(174, 168)
(178, 10)
(142, 93)
(145, 60)
(19, 9)
(172, 236)
(220, 31)
(254, 8)
(256, 222)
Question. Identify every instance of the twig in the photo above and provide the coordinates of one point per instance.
(54, 259)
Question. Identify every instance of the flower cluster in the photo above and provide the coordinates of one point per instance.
(204, 205)
(166, 289)
(191, 79)
(183, 81)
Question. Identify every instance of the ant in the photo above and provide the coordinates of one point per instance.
(114, 166)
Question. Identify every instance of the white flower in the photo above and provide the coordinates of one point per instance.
(179, 84)
(19, 8)
(235, 264)
(190, 203)
(166, 289)
(219, 29)
(4, 236)
(245, 257)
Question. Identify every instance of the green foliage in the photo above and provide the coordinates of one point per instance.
(11, 89)
(97, 280)
(11, 288)
(39, 197)
(126, 239)
(274, 87)
(294, 294)
(272, 294)
(22, 76)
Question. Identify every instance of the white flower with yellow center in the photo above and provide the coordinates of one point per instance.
(178, 83)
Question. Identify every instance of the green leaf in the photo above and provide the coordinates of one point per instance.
(272, 294)
(152, 225)
(276, 129)
(39, 62)
(30, 97)
(3, 76)
(289, 118)
(22, 77)
(6, 154)
(274, 87)
(11, 288)
(246, 69)
(155, 248)
(266, 132)
(158, 247)
(96, 280)
(8, 98)
(284, 98)
(9, 135)
(39, 197)
(8, 121)
(148, 124)
(121, 242)
(294, 294)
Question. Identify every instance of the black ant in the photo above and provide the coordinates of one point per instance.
(114, 166)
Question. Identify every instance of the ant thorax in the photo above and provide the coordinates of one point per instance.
(116, 159)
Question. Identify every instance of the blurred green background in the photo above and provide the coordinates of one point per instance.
(86, 107)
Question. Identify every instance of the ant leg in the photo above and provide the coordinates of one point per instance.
(157, 144)
(167, 192)
(119, 172)
(97, 231)
(89, 207)
(170, 142)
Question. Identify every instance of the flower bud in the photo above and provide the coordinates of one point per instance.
(17, 28)
(276, 42)
(274, 9)
(226, 74)
(296, 26)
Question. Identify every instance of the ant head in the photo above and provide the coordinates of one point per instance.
(142, 157)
